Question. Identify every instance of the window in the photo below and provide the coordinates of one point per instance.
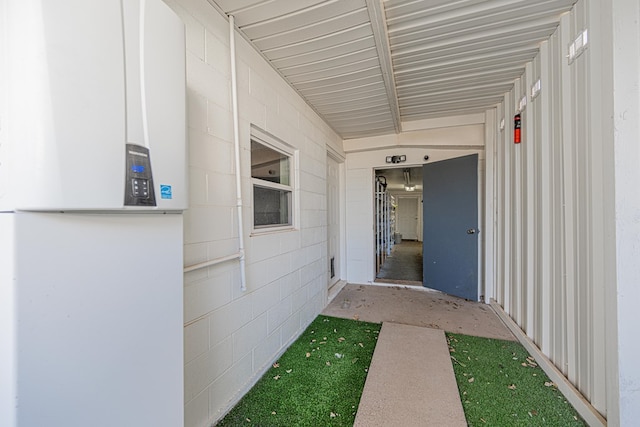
(271, 176)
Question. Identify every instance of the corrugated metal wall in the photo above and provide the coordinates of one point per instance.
(551, 204)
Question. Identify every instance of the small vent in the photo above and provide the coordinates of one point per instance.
(522, 104)
(332, 267)
(578, 46)
(535, 89)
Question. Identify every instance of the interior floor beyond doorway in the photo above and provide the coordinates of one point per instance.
(404, 265)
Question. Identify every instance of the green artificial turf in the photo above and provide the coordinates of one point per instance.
(501, 385)
(318, 381)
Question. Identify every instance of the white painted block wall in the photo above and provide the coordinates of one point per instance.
(231, 337)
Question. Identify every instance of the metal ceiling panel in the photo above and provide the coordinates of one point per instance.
(470, 64)
(340, 82)
(405, 14)
(332, 62)
(371, 103)
(365, 111)
(301, 20)
(316, 30)
(319, 43)
(341, 50)
(405, 8)
(345, 71)
(457, 48)
(232, 6)
(314, 88)
(366, 128)
(443, 83)
(340, 106)
(368, 65)
(361, 93)
(261, 11)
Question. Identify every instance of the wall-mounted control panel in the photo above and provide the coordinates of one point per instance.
(139, 188)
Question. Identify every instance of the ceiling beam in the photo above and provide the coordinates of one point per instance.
(381, 37)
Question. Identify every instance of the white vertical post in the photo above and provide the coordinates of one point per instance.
(236, 144)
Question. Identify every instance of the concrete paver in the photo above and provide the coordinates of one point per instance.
(410, 381)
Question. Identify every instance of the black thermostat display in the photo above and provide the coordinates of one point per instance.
(138, 188)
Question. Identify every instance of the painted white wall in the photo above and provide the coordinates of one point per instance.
(466, 133)
(407, 216)
(8, 327)
(455, 137)
(231, 337)
(88, 341)
(626, 118)
(417, 194)
(7, 262)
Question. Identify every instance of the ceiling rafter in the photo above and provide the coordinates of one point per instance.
(381, 37)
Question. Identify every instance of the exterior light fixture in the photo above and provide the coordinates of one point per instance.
(410, 187)
(396, 159)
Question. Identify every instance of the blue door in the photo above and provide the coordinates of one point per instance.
(450, 227)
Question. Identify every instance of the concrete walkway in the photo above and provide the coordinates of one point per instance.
(410, 381)
(418, 307)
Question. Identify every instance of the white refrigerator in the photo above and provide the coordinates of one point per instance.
(92, 189)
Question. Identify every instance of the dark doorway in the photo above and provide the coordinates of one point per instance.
(401, 248)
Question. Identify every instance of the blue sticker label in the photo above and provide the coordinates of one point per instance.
(165, 191)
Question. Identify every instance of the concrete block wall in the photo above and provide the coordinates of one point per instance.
(231, 336)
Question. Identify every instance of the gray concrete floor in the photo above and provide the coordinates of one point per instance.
(403, 265)
(418, 307)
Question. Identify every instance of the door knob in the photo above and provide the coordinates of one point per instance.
(472, 231)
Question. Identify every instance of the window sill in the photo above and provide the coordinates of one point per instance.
(272, 230)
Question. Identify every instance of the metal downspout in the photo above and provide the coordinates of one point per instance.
(236, 143)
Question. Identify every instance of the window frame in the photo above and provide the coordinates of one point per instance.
(275, 144)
